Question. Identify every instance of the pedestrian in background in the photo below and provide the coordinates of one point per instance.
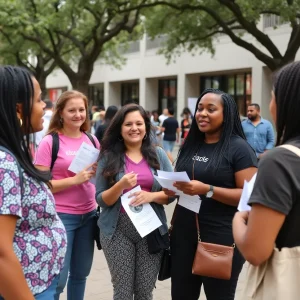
(218, 160)
(170, 128)
(74, 194)
(258, 131)
(33, 238)
(128, 159)
(109, 114)
(185, 123)
(276, 198)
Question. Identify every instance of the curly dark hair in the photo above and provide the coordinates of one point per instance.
(113, 147)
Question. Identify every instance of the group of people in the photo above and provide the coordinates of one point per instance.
(48, 213)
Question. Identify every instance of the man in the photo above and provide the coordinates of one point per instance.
(47, 117)
(258, 131)
(163, 116)
(171, 130)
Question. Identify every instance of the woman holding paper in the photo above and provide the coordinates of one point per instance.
(74, 194)
(128, 159)
(274, 217)
(217, 159)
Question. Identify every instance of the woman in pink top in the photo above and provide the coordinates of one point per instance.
(128, 158)
(74, 194)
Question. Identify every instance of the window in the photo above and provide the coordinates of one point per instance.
(239, 86)
(167, 94)
(130, 93)
(96, 94)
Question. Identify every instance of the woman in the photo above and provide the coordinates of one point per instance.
(276, 192)
(74, 194)
(218, 159)
(185, 123)
(128, 159)
(109, 114)
(33, 238)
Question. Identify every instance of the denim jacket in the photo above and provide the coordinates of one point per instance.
(110, 214)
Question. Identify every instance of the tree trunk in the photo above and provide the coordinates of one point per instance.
(81, 85)
(42, 81)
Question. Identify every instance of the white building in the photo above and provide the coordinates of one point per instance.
(148, 79)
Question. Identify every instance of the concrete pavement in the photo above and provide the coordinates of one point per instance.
(99, 286)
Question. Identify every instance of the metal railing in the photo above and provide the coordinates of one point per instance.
(272, 21)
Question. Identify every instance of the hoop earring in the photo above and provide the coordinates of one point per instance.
(145, 136)
(21, 122)
(61, 120)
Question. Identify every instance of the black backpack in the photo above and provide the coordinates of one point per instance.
(55, 146)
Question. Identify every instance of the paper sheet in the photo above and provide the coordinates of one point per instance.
(190, 202)
(85, 156)
(175, 176)
(143, 216)
(246, 193)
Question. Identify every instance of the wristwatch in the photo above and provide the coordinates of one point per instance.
(210, 193)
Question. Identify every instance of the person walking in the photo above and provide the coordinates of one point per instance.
(74, 194)
(170, 128)
(128, 159)
(258, 131)
(185, 123)
(218, 160)
(33, 238)
(275, 198)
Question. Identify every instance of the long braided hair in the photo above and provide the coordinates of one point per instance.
(287, 98)
(194, 140)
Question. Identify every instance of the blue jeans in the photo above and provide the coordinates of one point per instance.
(48, 294)
(168, 146)
(79, 257)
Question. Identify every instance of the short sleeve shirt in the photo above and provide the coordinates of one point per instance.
(277, 186)
(40, 239)
(239, 156)
(170, 125)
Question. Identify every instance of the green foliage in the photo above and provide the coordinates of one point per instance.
(194, 25)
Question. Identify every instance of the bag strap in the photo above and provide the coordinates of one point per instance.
(291, 148)
(55, 146)
(18, 165)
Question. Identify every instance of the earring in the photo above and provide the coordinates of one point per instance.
(61, 120)
(145, 136)
(21, 122)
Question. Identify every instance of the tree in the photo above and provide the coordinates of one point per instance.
(194, 24)
(14, 50)
(87, 29)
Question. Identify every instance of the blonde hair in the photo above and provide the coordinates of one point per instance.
(55, 124)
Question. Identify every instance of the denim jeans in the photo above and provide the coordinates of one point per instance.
(48, 294)
(79, 256)
(168, 146)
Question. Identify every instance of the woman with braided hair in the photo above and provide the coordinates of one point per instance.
(218, 159)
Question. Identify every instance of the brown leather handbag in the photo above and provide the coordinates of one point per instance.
(212, 260)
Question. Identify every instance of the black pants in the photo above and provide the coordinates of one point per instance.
(185, 285)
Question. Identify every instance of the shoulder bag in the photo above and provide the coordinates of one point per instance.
(212, 260)
(278, 277)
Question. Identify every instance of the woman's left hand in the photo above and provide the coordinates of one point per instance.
(194, 187)
(141, 197)
(94, 167)
(241, 216)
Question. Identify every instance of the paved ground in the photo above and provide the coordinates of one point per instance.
(99, 286)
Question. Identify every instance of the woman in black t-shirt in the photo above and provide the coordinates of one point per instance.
(222, 160)
(274, 217)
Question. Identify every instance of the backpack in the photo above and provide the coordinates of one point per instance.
(55, 146)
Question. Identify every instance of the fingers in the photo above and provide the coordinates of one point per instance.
(89, 166)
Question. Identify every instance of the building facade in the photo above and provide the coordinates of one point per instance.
(147, 79)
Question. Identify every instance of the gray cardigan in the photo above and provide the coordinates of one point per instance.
(110, 214)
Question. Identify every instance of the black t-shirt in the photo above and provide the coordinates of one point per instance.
(239, 156)
(170, 126)
(277, 186)
(100, 131)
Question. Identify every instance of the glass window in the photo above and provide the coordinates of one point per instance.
(230, 86)
(168, 94)
(129, 93)
(240, 84)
